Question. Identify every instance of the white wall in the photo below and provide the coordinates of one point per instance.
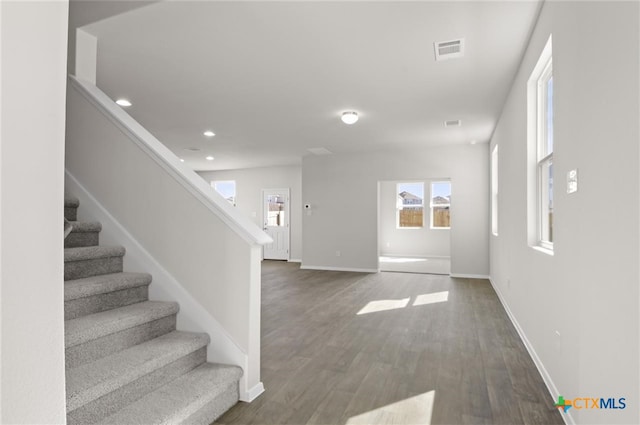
(343, 192)
(423, 242)
(165, 207)
(588, 290)
(85, 12)
(33, 36)
(249, 185)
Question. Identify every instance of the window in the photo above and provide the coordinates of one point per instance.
(440, 205)
(226, 188)
(540, 102)
(275, 214)
(410, 205)
(494, 191)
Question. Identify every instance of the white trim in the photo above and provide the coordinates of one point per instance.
(166, 159)
(86, 55)
(192, 316)
(294, 260)
(494, 189)
(338, 269)
(440, 257)
(252, 393)
(542, 249)
(551, 387)
(469, 276)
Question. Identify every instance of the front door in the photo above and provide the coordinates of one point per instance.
(276, 223)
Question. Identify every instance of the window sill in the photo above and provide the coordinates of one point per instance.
(543, 250)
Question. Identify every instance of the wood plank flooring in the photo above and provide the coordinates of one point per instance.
(389, 348)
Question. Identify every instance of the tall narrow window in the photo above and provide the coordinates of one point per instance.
(494, 191)
(540, 99)
(440, 205)
(226, 188)
(410, 205)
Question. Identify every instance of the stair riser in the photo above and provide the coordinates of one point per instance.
(110, 403)
(102, 302)
(94, 267)
(78, 239)
(71, 213)
(101, 347)
(216, 408)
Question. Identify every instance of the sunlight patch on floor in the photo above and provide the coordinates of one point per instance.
(386, 305)
(436, 297)
(429, 265)
(402, 260)
(413, 410)
(383, 305)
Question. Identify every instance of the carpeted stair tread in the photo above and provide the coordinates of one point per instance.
(85, 226)
(91, 381)
(178, 400)
(92, 253)
(102, 284)
(71, 201)
(94, 326)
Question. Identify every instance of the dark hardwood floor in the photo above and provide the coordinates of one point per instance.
(389, 348)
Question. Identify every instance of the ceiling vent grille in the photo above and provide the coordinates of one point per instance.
(320, 151)
(449, 49)
(453, 123)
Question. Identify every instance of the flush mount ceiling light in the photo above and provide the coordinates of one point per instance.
(210, 158)
(349, 117)
(209, 133)
(123, 102)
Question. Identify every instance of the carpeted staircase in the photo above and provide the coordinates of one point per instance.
(125, 361)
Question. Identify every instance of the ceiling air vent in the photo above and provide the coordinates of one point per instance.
(319, 151)
(453, 123)
(449, 49)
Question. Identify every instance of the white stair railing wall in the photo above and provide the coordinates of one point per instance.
(201, 251)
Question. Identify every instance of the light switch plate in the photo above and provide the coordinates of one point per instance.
(572, 181)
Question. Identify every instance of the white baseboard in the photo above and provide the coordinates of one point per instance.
(294, 260)
(551, 387)
(339, 269)
(469, 276)
(439, 257)
(164, 287)
(253, 393)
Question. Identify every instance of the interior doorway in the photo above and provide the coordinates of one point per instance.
(275, 213)
(414, 225)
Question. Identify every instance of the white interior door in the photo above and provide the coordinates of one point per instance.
(276, 223)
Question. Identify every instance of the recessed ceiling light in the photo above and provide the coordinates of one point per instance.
(209, 133)
(181, 159)
(210, 158)
(349, 117)
(473, 142)
(123, 102)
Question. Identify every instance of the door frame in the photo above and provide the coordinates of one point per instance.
(287, 215)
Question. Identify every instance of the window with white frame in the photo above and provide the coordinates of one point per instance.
(410, 205)
(226, 188)
(494, 191)
(540, 101)
(440, 205)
